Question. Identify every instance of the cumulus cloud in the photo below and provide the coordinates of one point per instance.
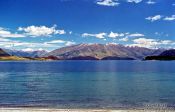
(169, 18)
(136, 35)
(40, 30)
(6, 33)
(144, 42)
(154, 18)
(99, 35)
(31, 31)
(134, 1)
(108, 2)
(150, 2)
(114, 35)
(151, 43)
(159, 17)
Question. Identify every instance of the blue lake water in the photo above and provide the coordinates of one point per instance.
(88, 84)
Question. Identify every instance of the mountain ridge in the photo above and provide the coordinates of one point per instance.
(166, 55)
(101, 51)
(21, 53)
(170, 52)
(3, 53)
(89, 52)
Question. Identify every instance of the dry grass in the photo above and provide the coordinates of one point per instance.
(16, 58)
(11, 58)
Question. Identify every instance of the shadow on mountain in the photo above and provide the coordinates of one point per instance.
(166, 55)
(83, 58)
(117, 58)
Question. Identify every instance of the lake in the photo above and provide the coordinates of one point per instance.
(88, 84)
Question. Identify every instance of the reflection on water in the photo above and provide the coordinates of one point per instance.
(88, 84)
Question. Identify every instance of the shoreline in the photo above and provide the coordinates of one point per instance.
(22, 109)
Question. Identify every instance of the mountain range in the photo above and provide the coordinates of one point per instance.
(166, 55)
(23, 53)
(170, 52)
(3, 53)
(103, 52)
(88, 52)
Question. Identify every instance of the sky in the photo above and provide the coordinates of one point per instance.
(51, 24)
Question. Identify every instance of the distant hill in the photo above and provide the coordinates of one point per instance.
(21, 53)
(14, 55)
(102, 51)
(170, 52)
(3, 53)
(166, 55)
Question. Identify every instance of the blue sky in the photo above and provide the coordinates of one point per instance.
(50, 24)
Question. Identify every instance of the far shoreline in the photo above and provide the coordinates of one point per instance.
(35, 109)
(143, 60)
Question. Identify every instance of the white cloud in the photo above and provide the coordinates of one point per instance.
(99, 35)
(66, 43)
(35, 31)
(152, 43)
(56, 42)
(166, 42)
(14, 44)
(169, 18)
(70, 32)
(150, 2)
(134, 1)
(125, 39)
(154, 18)
(32, 49)
(5, 33)
(144, 42)
(112, 43)
(136, 35)
(4, 40)
(28, 50)
(108, 2)
(158, 17)
(69, 43)
(114, 35)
